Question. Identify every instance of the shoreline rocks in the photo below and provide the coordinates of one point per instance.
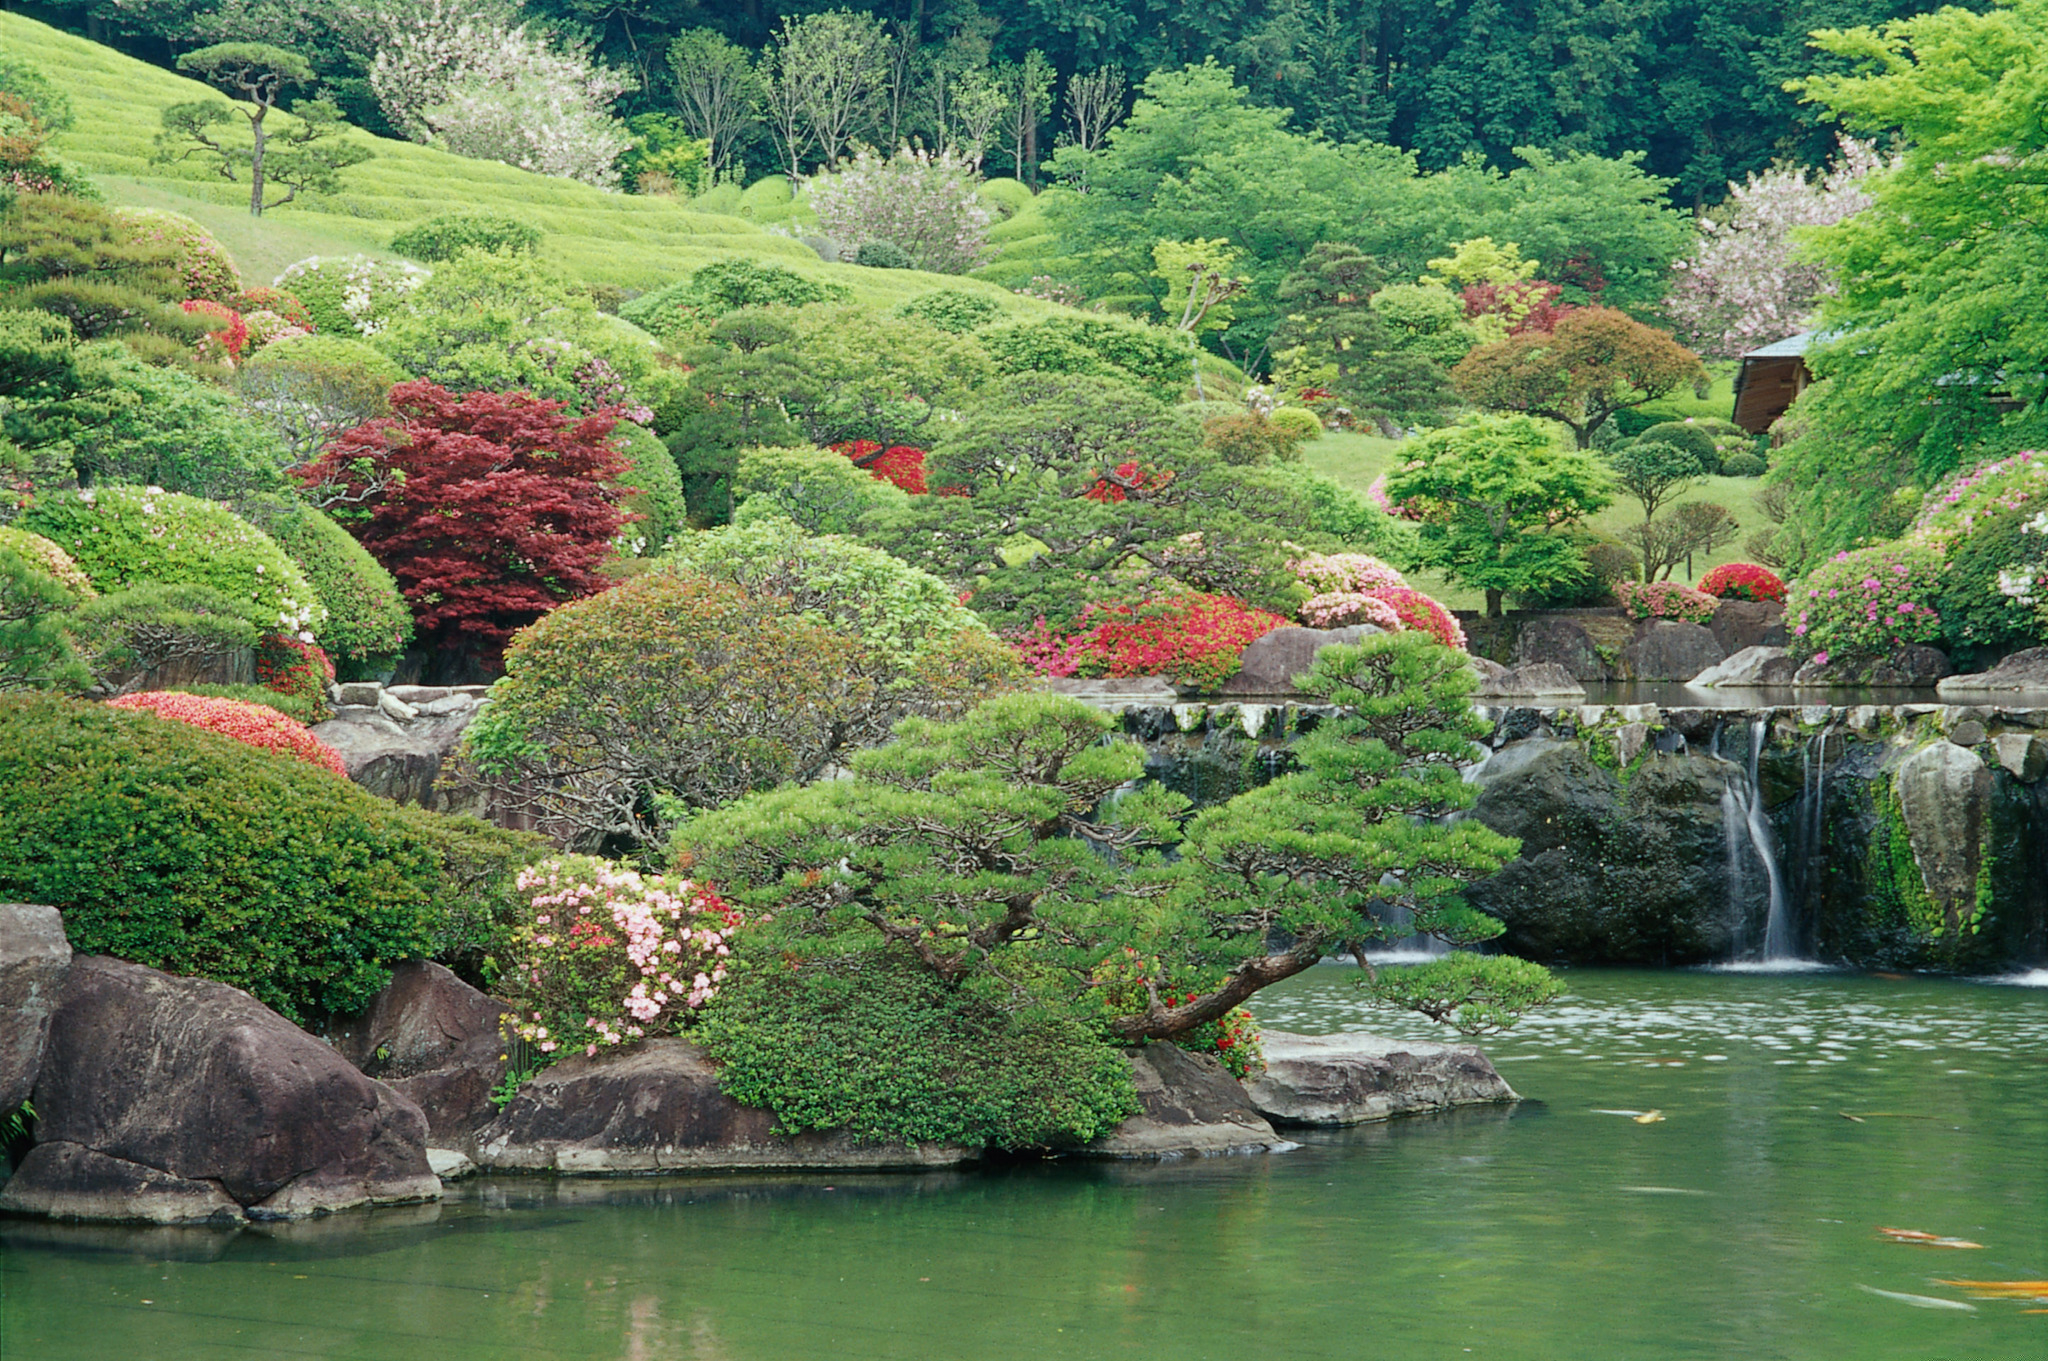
(34, 961)
(1353, 1079)
(1188, 1105)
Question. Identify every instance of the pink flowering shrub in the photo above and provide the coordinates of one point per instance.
(1960, 502)
(1336, 572)
(203, 266)
(229, 338)
(255, 725)
(1377, 494)
(606, 954)
(1424, 614)
(1866, 603)
(1340, 609)
(1743, 581)
(1666, 600)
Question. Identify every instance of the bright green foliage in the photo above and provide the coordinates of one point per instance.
(102, 275)
(658, 496)
(449, 235)
(1473, 994)
(308, 389)
(26, 82)
(1334, 336)
(125, 635)
(819, 491)
(48, 558)
(1297, 423)
(368, 621)
(883, 255)
(1939, 367)
(664, 157)
(1695, 439)
(949, 309)
(125, 421)
(194, 853)
(1333, 512)
(351, 296)
(875, 1045)
(36, 652)
(123, 536)
(1146, 357)
(682, 308)
(203, 267)
(667, 693)
(1498, 499)
(1653, 472)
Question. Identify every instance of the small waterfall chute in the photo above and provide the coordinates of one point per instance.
(1752, 851)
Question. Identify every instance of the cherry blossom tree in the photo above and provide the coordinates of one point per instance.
(1747, 283)
(919, 201)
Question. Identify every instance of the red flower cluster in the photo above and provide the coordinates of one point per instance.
(1194, 638)
(253, 724)
(1743, 581)
(1423, 613)
(266, 299)
(291, 667)
(233, 335)
(1124, 479)
(901, 465)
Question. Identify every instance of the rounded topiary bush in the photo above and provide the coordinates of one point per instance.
(203, 265)
(1744, 581)
(127, 536)
(1868, 603)
(445, 237)
(367, 619)
(351, 295)
(193, 853)
(952, 310)
(883, 255)
(1996, 580)
(1297, 422)
(255, 725)
(49, 558)
(657, 492)
(1743, 464)
(1689, 437)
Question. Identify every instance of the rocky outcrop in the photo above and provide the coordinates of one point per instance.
(1740, 624)
(1914, 666)
(1751, 668)
(657, 1107)
(1188, 1105)
(435, 1040)
(1670, 649)
(393, 755)
(1945, 796)
(2022, 672)
(1272, 661)
(1563, 642)
(1532, 680)
(168, 1099)
(1355, 1078)
(34, 959)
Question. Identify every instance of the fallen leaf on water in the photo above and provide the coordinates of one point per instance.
(2004, 1290)
(1650, 1118)
(1919, 1301)
(1857, 1118)
(1921, 1238)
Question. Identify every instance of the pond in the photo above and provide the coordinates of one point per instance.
(1800, 1115)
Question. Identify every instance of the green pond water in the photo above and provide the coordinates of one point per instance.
(1742, 1225)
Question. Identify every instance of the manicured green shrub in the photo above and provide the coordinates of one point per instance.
(883, 255)
(309, 389)
(1150, 356)
(1297, 422)
(1689, 436)
(125, 536)
(1743, 464)
(1012, 196)
(1990, 594)
(875, 1044)
(1246, 440)
(36, 650)
(47, 557)
(203, 265)
(190, 852)
(445, 237)
(351, 295)
(658, 496)
(951, 309)
(127, 634)
(367, 619)
(818, 490)
(726, 286)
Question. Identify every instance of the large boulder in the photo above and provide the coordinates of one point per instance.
(34, 958)
(1351, 1079)
(1751, 668)
(1670, 650)
(399, 760)
(1739, 624)
(1549, 638)
(169, 1099)
(1532, 680)
(2022, 672)
(1188, 1104)
(657, 1107)
(1945, 796)
(1914, 666)
(1273, 660)
(436, 1040)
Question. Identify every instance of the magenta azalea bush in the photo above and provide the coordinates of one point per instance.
(1959, 502)
(1339, 609)
(1666, 600)
(608, 955)
(1867, 603)
(1338, 573)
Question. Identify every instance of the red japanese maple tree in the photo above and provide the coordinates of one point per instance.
(490, 508)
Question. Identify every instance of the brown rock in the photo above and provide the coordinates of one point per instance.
(1531, 680)
(1967, 733)
(34, 958)
(1273, 661)
(1351, 1079)
(656, 1107)
(153, 1086)
(1670, 649)
(1563, 641)
(435, 1040)
(1750, 668)
(1913, 666)
(2022, 671)
(1188, 1105)
(2024, 755)
(399, 761)
(1738, 624)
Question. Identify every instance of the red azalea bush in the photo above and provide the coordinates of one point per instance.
(1665, 600)
(292, 667)
(1743, 581)
(901, 465)
(1424, 614)
(1119, 482)
(252, 724)
(1232, 1039)
(276, 300)
(490, 508)
(232, 335)
(1195, 639)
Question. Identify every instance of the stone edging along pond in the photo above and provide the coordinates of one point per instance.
(167, 1100)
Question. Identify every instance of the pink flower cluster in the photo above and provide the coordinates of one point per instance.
(1338, 609)
(254, 725)
(610, 955)
(1868, 602)
(1338, 572)
(1425, 615)
(1953, 508)
(1666, 600)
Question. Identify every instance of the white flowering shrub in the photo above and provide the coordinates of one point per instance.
(921, 202)
(352, 294)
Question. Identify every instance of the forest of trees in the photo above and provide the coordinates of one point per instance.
(1697, 86)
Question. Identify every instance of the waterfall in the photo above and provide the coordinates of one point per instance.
(1746, 832)
(1406, 946)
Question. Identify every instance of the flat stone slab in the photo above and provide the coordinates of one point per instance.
(1355, 1078)
(1188, 1107)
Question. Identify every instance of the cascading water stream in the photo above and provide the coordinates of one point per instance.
(1746, 832)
